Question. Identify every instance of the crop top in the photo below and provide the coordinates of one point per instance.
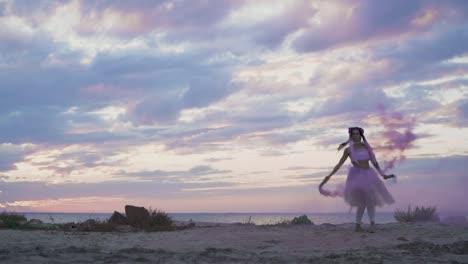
(361, 154)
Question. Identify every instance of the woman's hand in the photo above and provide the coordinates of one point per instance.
(324, 181)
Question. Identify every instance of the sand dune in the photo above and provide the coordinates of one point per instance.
(237, 243)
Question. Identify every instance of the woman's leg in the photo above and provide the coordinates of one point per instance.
(359, 214)
(371, 213)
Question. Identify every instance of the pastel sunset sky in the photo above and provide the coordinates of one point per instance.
(228, 105)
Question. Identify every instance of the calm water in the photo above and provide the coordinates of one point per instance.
(256, 218)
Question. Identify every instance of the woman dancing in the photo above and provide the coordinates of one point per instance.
(363, 187)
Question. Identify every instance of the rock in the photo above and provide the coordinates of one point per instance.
(402, 238)
(70, 227)
(136, 216)
(35, 222)
(187, 223)
(88, 225)
(117, 219)
(125, 228)
(454, 220)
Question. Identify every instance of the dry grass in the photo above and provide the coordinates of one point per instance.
(12, 219)
(419, 214)
(299, 220)
(158, 220)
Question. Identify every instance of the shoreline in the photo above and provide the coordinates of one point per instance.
(243, 243)
(257, 218)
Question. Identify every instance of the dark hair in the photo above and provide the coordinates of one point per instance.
(350, 132)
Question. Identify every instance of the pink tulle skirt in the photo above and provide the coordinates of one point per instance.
(365, 188)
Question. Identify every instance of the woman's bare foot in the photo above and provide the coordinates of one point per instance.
(358, 228)
(372, 227)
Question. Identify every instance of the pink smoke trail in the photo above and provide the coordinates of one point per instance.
(398, 136)
(338, 192)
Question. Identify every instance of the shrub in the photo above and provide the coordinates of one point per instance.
(419, 214)
(283, 222)
(96, 226)
(301, 220)
(158, 221)
(11, 219)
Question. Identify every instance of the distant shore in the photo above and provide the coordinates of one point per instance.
(256, 218)
(244, 243)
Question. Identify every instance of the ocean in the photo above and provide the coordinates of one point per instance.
(256, 218)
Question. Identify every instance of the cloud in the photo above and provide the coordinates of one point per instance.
(445, 41)
(205, 90)
(273, 31)
(24, 191)
(423, 174)
(176, 176)
(77, 160)
(11, 154)
(212, 160)
(295, 168)
(439, 169)
(356, 21)
(88, 82)
(197, 92)
(140, 17)
(461, 113)
(30, 125)
(357, 102)
(361, 21)
(152, 89)
(440, 179)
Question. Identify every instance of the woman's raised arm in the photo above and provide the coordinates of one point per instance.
(337, 167)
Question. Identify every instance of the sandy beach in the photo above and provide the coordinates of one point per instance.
(243, 243)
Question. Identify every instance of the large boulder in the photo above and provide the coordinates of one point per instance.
(454, 220)
(136, 216)
(88, 225)
(117, 219)
(70, 226)
(35, 222)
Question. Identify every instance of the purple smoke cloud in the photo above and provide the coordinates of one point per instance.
(398, 136)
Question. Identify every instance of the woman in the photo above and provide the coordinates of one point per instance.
(363, 187)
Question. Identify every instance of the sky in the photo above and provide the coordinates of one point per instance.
(228, 105)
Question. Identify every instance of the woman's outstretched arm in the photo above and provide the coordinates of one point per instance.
(377, 167)
(337, 167)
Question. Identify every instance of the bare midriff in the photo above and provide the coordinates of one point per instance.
(363, 164)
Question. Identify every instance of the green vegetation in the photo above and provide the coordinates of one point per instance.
(11, 220)
(158, 221)
(419, 214)
(301, 220)
(283, 222)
